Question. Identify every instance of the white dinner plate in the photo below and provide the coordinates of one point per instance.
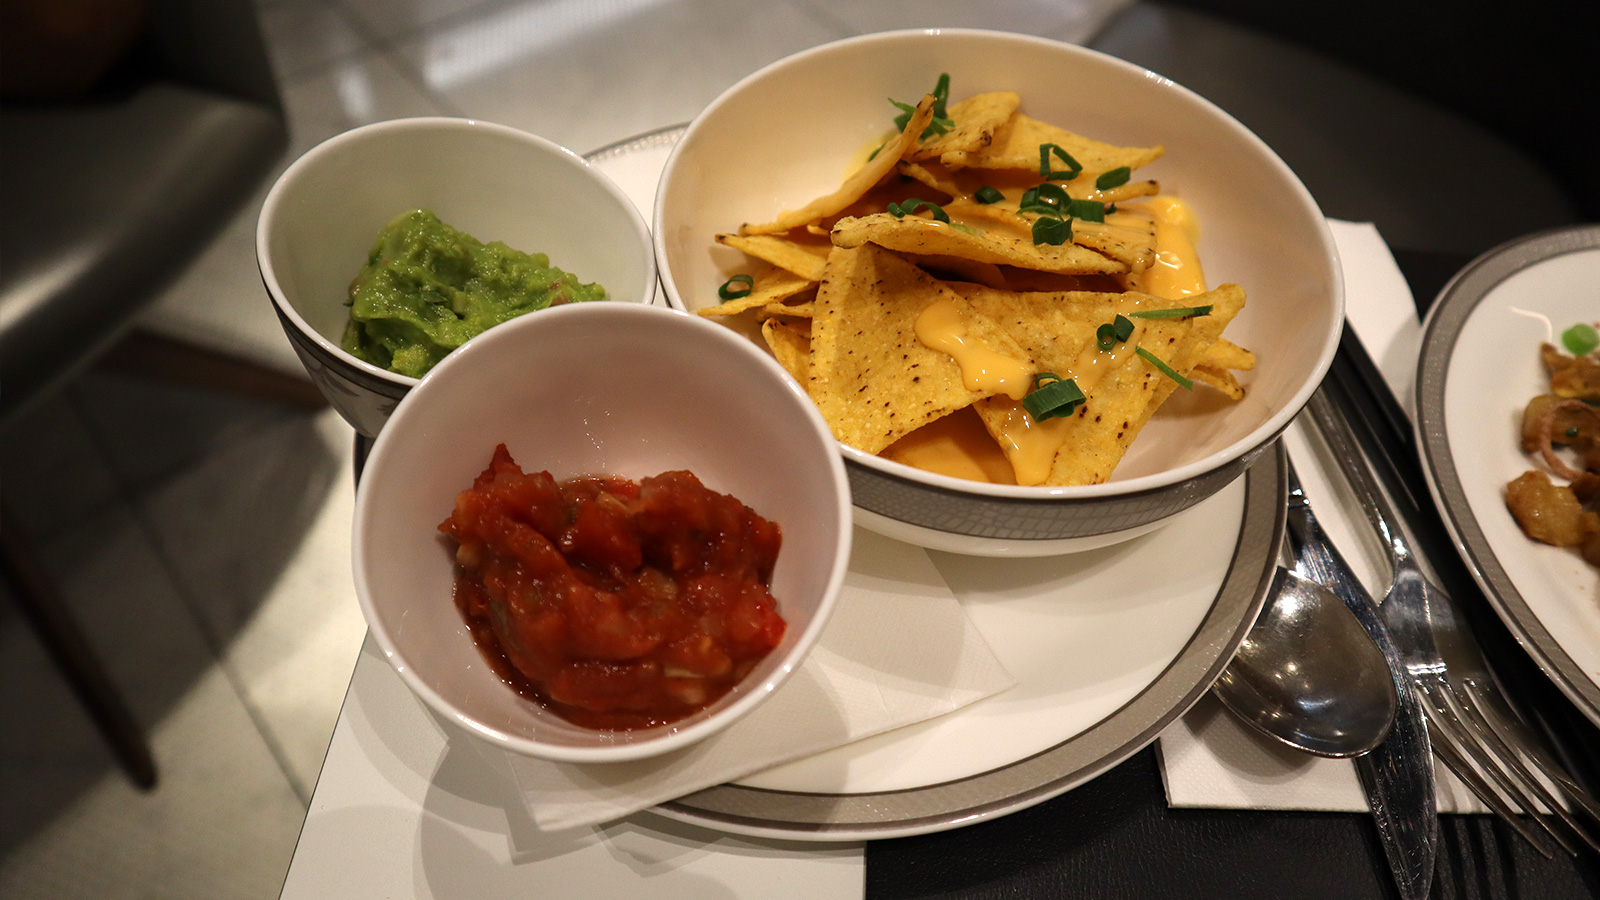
(1478, 368)
(1108, 648)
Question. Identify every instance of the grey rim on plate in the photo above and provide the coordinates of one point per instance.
(1043, 775)
(1446, 319)
(1034, 779)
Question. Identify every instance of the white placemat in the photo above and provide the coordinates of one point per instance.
(869, 673)
(1209, 759)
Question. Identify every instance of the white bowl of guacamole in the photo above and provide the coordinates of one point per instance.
(389, 246)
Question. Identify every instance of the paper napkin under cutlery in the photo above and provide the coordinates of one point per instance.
(870, 671)
(1209, 760)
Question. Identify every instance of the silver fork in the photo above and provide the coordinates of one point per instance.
(1475, 731)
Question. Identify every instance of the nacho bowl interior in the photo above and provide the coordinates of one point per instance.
(787, 134)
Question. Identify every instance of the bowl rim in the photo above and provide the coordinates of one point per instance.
(670, 737)
(1257, 437)
(384, 129)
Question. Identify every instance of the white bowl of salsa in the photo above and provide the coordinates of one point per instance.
(593, 658)
(430, 224)
(791, 132)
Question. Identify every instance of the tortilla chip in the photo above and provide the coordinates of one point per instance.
(975, 121)
(805, 310)
(803, 258)
(1124, 400)
(859, 182)
(771, 285)
(926, 237)
(871, 377)
(962, 269)
(932, 175)
(1133, 245)
(1225, 354)
(1055, 328)
(791, 345)
(1219, 378)
(1016, 146)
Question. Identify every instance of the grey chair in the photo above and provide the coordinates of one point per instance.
(104, 199)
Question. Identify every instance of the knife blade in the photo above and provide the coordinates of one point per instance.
(1397, 775)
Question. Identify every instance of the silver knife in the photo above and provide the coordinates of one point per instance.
(1398, 774)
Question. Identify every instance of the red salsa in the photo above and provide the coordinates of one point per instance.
(618, 605)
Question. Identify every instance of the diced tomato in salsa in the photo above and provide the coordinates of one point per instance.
(617, 605)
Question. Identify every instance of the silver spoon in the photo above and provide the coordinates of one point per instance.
(1308, 675)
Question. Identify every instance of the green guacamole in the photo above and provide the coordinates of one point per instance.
(427, 288)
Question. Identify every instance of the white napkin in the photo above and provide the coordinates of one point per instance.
(1208, 759)
(868, 673)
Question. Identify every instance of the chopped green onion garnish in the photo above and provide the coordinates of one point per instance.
(987, 194)
(912, 204)
(1115, 178)
(1581, 339)
(1089, 210)
(1074, 168)
(1113, 333)
(967, 228)
(1175, 313)
(1051, 231)
(1166, 370)
(1048, 199)
(1052, 397)
(941, 122)
(729, 292)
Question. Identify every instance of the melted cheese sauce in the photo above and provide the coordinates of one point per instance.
(941, 327)
(1032, 446)
(1176, 271)
(960, 446)
(1028, 446)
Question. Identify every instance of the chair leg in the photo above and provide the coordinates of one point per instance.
(62, 637)
(149, 355)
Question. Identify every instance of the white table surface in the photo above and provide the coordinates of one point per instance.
(407, 807)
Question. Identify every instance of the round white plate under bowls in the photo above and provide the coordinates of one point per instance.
(1105, 656)
(1478, 368)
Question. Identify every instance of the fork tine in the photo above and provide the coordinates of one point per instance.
(1456, 752)
(1463, 770)
(1510, 728)
(1491, 765)
(1511, 750)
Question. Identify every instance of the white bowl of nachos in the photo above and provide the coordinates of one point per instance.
(1045, 299)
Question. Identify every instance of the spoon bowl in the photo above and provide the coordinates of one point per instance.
(1308, 675)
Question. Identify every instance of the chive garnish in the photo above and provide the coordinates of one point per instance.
(1052, 398)
(1115, 178)
(1047, 230)
(1089, 210)
(1580, 339)
(940, 123)
(912, 204)
(1180, 312)
(1113, 333)
(1166, 370)
(987, 194)
(1048, 199)
(1073, 169)
(728, 292)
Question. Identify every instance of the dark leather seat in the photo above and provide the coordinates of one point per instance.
(105, 197)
